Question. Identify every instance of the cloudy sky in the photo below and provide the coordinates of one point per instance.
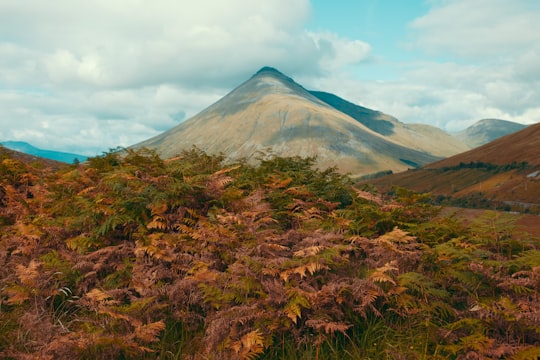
(87, 76)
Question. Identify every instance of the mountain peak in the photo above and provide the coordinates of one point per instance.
(270, 71)
(487, 130)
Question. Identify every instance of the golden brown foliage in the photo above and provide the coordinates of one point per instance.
(129, 256)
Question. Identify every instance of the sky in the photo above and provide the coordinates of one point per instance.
(88, 76)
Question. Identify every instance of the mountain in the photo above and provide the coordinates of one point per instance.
(47, 154)
(271, 113)
(487, 130)
(420, 137)
(42, 163)
(504, 172)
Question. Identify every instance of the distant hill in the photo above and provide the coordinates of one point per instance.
(271, 113)
(26, 148)
(520, 146)
(504, 172)
(30, 159)
(487, 130)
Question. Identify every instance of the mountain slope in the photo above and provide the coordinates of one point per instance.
(520, 146)
(271, 113)
(503, 172)
(26, 148)
(420, 137)
(487, 130)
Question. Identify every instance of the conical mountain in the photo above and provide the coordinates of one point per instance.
(273, 114)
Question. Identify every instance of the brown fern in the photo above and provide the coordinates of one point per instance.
(250, 345)
(328, 327)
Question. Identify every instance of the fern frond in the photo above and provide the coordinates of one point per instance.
(310, 268)
(149, 332)
(528, 353)
(270, 271)
(156, 248)
(369, 296)
(28, 275)
(293, 311)
(380, 274)
(250, 346)
(397, 236)
(98, 296)
(309, 251)
(157, 223)
(297, 301)
(113, 314)
(17, 295)
(328, 327)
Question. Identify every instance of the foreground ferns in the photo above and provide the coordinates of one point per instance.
(130, 256)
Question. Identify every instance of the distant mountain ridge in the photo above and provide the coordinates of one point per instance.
(27, 148)
(487, 130)
(421, 137)
(270, 112)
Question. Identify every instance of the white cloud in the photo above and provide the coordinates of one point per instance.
(478, 28)
(119, 43)
(339, 53)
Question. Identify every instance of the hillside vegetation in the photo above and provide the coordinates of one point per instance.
(130, 256)
(503, 174)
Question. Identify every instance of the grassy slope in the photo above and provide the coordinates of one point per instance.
(447, 177)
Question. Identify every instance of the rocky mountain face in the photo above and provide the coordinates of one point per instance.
(487, 130)
(272, 114)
